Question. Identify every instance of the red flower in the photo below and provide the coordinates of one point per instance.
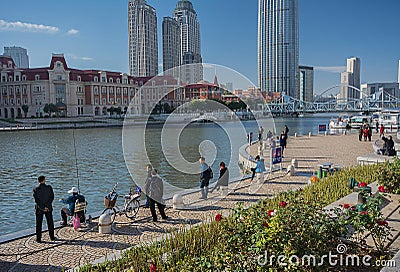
(218, 217)
(153, 267)
(346, 206)
(265, 224)
(382, 223)
(386, 190)
(381, 188)
(364, 212)
(362, 184)
(283, 204)
(271, 212)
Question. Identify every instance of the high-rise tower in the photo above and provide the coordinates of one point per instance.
(19, 55)
(351, 77)
(182, 45)
(278, 46)
(142, 33)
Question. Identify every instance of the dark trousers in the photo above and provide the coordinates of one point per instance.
(64, 214)
(50, 225)
(161, 207)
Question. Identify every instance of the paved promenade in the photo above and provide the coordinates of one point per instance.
(73, 248)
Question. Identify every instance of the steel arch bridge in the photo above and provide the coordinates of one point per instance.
(287, 105)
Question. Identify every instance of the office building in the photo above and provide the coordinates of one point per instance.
(350, 80)
(306, 86)
(19, 55)
(142, 36)
(278, 46)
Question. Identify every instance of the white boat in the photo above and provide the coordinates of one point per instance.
(389, 119)
(341, 123)
(358, 120)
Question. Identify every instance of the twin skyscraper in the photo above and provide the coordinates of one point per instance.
(180, 40)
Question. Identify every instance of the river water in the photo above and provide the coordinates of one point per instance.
(99, 155)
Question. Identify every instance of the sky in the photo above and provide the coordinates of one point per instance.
(93, 34)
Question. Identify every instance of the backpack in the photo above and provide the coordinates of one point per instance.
(208, 174)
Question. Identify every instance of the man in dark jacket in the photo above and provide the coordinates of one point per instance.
(44, 196)
(155, 192)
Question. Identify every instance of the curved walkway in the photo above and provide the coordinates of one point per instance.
(74, 248)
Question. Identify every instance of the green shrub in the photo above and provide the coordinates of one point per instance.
(389, 175)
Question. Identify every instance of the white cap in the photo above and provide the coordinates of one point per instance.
(73, 190)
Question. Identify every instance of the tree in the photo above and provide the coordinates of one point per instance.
(25, 109)
(50, 108)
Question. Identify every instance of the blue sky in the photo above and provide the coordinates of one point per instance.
(93, 34)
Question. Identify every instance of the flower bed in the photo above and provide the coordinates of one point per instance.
(290, 224)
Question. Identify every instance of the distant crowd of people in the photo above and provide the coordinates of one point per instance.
(365, 132)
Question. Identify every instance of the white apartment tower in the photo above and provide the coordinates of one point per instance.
(278, 46)
(19, 55)
(182, 46)
(171, 43)
(351, 77)
(142, 35)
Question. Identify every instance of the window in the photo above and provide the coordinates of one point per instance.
(104, 101)
(59, 77)
(118, 91)
(11, 91)
(79, 78)
(96, 90)
(125, 81)
(118, 80)
(37, 77)
(96, 101)
(58, 64)
(17, 78)
(17, 91)
(111, 91)
(103, 90)
(24, 78)
(110, 80)
(125, 91)
(24, 90)
(18, 101)
(96, 79)
(103, 79)
(10, 78)
(3, 78)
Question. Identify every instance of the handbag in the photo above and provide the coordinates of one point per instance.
(76, 222)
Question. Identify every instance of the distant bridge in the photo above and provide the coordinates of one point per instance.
(287, 105)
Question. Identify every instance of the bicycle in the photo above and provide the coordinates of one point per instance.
(131, 204)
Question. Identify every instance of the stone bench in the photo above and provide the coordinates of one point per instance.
(373, 159)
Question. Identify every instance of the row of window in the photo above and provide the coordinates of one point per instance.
(11, 101)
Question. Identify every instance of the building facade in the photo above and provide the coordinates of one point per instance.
(306, 86)
(375, 89)
(142, 39)
(182, 46)
(351, 77)
(171, 41)
(19, 55)
(278, 46)
(74, 92)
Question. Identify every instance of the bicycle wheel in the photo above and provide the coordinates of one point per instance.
(132, 208)
(112, 212)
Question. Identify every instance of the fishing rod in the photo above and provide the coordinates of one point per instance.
(76, 159)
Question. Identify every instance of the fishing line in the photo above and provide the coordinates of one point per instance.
(76, 159)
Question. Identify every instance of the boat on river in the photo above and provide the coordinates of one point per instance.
(341, 123)
(358, 120)
(389, 119)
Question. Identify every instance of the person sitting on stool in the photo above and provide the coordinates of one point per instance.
(71, 204)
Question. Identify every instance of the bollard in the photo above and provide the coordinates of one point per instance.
(326, 133)
(291, 171)
(105, 223)
(223, 190)
(295, 163)
(177, 202)
(295, 134)
(344, 132)
(309, 134)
